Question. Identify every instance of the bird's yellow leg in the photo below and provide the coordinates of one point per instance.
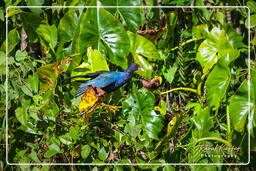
(111, 107)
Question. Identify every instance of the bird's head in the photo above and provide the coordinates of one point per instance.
(133, 67)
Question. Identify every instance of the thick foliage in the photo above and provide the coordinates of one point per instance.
(203, 101)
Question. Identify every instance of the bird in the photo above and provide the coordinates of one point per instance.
(108, 81)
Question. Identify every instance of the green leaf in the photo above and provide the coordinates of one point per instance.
(27, 90)
(47, 36)
(142, 46)
(239, 106)
(100, 30)
(29, 128)
(103, 154)
(217, 84)
(66, 139)
(21, 115)
(13, 11)
(13, 40)
(139, 108)
(68, 23)
(203, 123)
(20, 56)
(148, 69)
(30, 23)
(97, 61)
(169, 73)
(74, 133)
(33, 156)
(53, 150)
(33, 80)
(252, 21)
(86, 149)
(252, 5)
(132, 17)
(211, 49)
(2, 14)
(35, 3)
(2, 63)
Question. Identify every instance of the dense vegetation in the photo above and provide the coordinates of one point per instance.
(201, 54)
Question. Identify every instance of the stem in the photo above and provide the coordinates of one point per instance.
(215, 139)
(186, 42)
(179, 88)
(228, 125)
(206, 139)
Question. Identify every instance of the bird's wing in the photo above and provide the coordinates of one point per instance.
(89, 75)
(104, 80)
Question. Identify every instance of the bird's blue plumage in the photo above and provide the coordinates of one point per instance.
(108, 81)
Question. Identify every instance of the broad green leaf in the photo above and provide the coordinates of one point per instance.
(13, 40)
(2, 63)
(35, 3)
(21, 115)
(29, 128)
(211, 49)
(239, 106)
(54, 35)
(217, 84)
(221, 17)
(169, 73)
(33, 156)
(47, 36)
(67, 26)
(142, 46)
(33, 80)
(203, 123)
(97, 61)
(2, 14)
(86, 149)
(66, 139)
(13, 11)
(252, 5)
(252, 123)
(148, 69)
(201, 30)
(27, 90)
(140, 105)
(53, 150)
(74, 133)
(228, 55)
(252, 21)
(132, 17)
(100, 30)
(103, 154)
(30, 23)
(19, 56)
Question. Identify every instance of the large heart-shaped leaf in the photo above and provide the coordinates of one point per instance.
(240, 106)
(104, 32)
(217, 84)
(97, 61)
(139, 108)
(214, 47)
(203, 123)
(67, 26)
(142, 48)
(132, 17)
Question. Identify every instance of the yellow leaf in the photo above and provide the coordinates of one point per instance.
(89, 99)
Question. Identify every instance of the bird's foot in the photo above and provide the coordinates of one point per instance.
(111, 107)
